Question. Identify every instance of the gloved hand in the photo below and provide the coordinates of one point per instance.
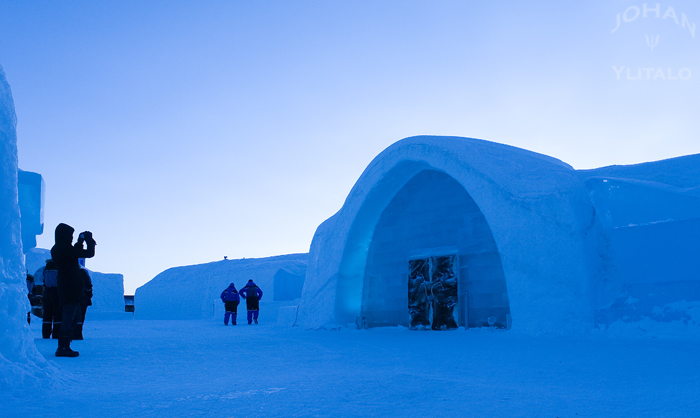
(88, 238)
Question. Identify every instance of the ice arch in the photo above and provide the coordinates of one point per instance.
(538, 212)
(433, 215)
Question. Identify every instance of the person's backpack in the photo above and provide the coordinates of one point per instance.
(252, 292)
(50, 278)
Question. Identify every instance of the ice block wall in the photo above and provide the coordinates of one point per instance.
(21, 365)
(653, 229)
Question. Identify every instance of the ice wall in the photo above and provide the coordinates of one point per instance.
(35, 260)
(22, 368)
(192, 292)
(288, 284)
(651, 215)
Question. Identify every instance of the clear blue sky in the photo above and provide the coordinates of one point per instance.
(180, 132)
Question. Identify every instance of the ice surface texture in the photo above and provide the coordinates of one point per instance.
(21, 365)
(651, 216)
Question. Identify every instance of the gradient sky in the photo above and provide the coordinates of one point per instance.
(183, 132)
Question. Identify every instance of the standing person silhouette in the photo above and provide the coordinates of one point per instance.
(52, 306)
(252, 295)
(231, 299)
(71, 287)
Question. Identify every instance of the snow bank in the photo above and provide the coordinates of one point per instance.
(22, 368)
(676, 319)
(192, 292)
(108, 288)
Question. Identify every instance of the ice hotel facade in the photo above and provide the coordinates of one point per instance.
(525, 240)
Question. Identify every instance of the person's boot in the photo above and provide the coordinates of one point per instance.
(233, 319)
(64, 349)
(255, 316)
(66, 352)
(250, 317)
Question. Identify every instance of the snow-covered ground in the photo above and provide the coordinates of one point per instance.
(180, 368)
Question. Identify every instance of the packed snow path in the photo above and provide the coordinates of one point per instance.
(149, 368)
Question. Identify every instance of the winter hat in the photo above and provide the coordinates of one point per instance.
(64, 233)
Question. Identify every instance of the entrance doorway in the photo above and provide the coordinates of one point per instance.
(432, 292)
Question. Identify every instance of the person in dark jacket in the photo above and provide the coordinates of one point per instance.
(30, 290)
(87, 301)
(71, 285)
(252, 295)
(52, 307)
(231, 300)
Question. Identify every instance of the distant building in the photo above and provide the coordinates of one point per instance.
(128, 303)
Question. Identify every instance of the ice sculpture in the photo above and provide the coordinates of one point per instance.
(432, 288)
(31, 207)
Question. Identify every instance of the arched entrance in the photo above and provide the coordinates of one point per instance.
(433, 220)
(528, 224)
